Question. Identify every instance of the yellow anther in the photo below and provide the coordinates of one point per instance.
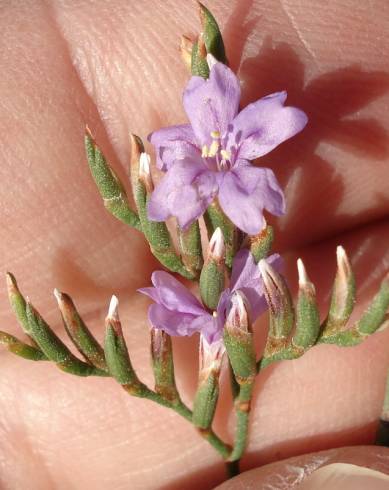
(215, 135)
(226, 155)
(213, 149)
(204, 151)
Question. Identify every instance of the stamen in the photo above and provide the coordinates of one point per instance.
(214, 148)
(204, 151)
(215, 135)
(226, 155)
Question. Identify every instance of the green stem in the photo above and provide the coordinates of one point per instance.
(142, 391)
(242, 409)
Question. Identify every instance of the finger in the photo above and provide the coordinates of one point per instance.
(301, 471)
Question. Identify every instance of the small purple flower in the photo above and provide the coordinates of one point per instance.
(178, 312)
(209, 157)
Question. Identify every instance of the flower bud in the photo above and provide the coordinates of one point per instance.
(78, 332)
(145, 173)
(109, 185)
(136, 149)
(238, 339)
(376, 313)
(116, 353)
(212, 277)
(186, 47)
(307, 315)
(189, 242)
(212, 36)
(260, 245)
(163, 366)
(207, 394)
(280, 304)
(17, 302)
(343, 296)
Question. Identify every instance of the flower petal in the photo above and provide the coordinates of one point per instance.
(174, 295)
(247, 278)
(263, 125)
(209, 328)
(185, 192)
(174, 143)
(245, 209)
(212, 104)
(172, 322)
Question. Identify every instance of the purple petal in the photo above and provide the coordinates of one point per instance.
(263, 125)
(245, 209)
(151, 293)
(174, 295)
(222, 306)
(209, 328)
(172, 322)
(174, 143)
(247, 278)
(185, 192)
(212, 104)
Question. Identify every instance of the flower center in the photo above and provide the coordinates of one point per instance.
(221, 156)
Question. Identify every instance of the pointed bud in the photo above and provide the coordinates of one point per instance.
(17, 302)
(186, 47)
(163, 365)
(280, 304)
(207, 394)
(212, 36)
(78, 332)
(260, 245)
(238, 339)
(212, 277)
(307, 315)
(19, 348)
(343, 296)
(136, 149)
(145, 173)
(115, 348)
(376, 313)
(189, 242)
(53, 347)
(110, 187)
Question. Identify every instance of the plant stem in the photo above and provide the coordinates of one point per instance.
(232, 468)
(242, 409)
(142, 391)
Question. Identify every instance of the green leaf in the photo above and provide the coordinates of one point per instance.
(375, 314)
(21, 349)
(190, 248)
(200, 66)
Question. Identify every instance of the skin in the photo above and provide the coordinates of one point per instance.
(116, 67)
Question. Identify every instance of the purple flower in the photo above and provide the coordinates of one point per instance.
(178, 312)
(209, 157)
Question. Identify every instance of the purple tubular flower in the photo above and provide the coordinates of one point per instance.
(179, 313)
(210, 157)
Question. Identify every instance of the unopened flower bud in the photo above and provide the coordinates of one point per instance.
(136, 149)
(207, 394)
(307, 314)
(145, 173)
(260, 245)
(17, 302)
(280, 304)
(343, 296)
(115, 348)
(78, 332)
(163, 366)
(212, 278)
(186, 47)
(238, 338)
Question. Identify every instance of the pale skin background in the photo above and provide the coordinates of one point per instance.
(115, 66)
